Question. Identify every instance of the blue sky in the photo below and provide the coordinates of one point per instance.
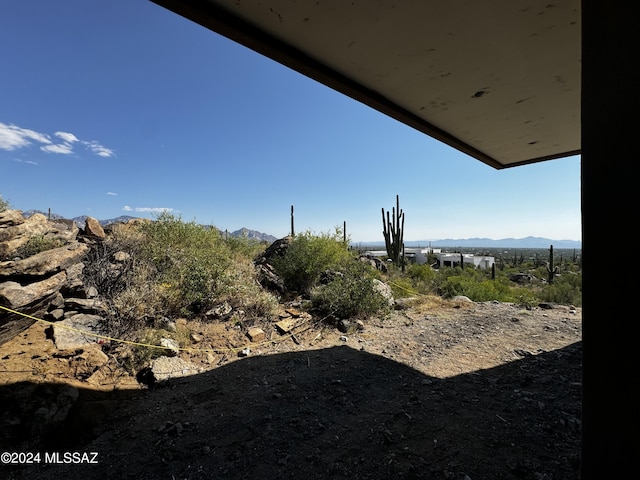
(120, 107)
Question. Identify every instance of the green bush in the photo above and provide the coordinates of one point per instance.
(350, 293)
(478, 291)
(190, 261)
(38, 244)
(308, 256)
(402, 287)
(4, 204)
(479, 287)
(248, 247)
(174, 269)
(566, 289)
(423, 277)
(347, 288)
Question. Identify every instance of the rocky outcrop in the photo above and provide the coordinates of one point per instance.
(44, 263)
(15, 230)
(47, 284)
(266, 273)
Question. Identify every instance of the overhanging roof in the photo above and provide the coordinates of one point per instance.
(498, 80)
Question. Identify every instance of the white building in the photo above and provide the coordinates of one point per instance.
(453, 259)
(418, 255)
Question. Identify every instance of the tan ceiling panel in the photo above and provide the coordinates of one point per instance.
(498, 80)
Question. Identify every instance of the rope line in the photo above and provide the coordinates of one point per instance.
(140, 344)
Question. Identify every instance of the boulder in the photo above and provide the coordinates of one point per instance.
(165, 368)
(256, 335)
(521, 277)
(10, 218)
(15, 295)
(384, 290)
(92, 228)
(45, 263)
(64, 230)
(265, 272)
(86, 305)
(276, 249)
(171, 346)
(78, 331)
(34, 287)
(15, 233)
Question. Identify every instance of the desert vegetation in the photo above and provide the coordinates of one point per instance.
(172, 268)
(148, 272)
(169, 268)
(4, 204)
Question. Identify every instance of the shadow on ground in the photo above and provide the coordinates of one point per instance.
(321, 414)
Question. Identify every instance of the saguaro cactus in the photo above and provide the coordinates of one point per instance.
(344, 232)
(551, 270)
(393, 231)
(293, 233)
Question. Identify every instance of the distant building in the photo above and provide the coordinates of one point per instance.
(419, 256)
(477, 261)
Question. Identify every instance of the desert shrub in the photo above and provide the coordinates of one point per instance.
(189, 260)
(4, 204)
(247, 247)
(144, 351)
(170, 268)
(523, 296)
(423, 278)
(110, 263)
(350, 293)
(308, 256)
(402, 286)
(478, 291)
(38, 244)
(240, 289)
(566, 290)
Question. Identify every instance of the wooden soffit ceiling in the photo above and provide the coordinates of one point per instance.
(497, 79)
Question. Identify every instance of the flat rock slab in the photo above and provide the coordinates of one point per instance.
(78, 331)
(163, 368)
(288, 324)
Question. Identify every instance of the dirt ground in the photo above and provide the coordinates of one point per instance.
(438, 390)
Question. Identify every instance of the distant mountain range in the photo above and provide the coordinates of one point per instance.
(526, 242)
(80, 222)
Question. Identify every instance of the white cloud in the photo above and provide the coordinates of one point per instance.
(30, 162)
(98, 149)
(112, 194)
(13, 137)
(67, 137)
(154, 209)
(127, 208)
(63, 148)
